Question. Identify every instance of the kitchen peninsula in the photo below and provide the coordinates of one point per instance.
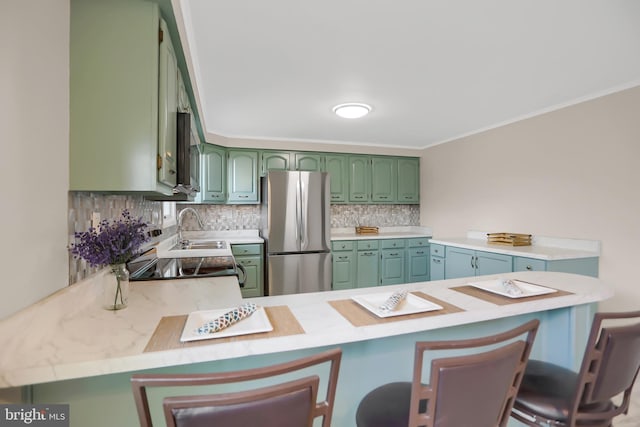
(67, 349)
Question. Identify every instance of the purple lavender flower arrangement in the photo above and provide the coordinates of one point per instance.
(113, 242)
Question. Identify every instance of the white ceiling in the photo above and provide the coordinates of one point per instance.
(433, 70)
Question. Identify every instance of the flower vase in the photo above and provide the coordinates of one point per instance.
(115, 287)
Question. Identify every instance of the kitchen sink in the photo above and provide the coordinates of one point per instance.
(201, 244)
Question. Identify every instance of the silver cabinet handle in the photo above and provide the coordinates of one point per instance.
(529, 267)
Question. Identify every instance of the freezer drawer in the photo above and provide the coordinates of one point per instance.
(298, 273)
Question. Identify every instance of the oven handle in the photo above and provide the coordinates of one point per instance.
(244, 275)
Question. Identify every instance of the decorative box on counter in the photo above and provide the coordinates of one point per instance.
(510, 239)
(366, 230)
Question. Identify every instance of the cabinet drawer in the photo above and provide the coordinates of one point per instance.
(528, 264)
(415, 252)
(418, 242)
(392, 243)
(239, 250)
(342, 245)
(437, 250)
(363, 245)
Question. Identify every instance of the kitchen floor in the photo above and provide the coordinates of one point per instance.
(633, 419)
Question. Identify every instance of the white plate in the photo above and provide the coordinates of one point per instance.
(257, 322)
(528, 289)
(412, 304)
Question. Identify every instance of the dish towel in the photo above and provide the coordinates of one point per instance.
(228, 319)
(393, 301)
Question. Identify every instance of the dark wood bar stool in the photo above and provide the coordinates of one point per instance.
(287, 404)
(552, 395)
(473, 390)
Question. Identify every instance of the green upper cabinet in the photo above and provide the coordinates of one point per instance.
(275, 161)
(337, 165)
(311, 162)
(242, 177)
(168, 107)
(114, 98)
(408, 180)
(384, 173)
(214, 174)
(359, 179)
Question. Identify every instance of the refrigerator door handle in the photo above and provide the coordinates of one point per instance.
(298, 214)
(304, 204)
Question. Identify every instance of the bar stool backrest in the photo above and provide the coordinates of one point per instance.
(472, 390)
(285, 404)
(609, 367)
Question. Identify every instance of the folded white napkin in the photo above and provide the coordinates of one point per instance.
(227, 319)
(511, 288)
(393, 301)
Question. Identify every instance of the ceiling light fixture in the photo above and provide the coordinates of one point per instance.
(352, 110)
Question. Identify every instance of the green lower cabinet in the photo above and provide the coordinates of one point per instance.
(392, 261)
(367, 263)
(584, 266)
(392, 266)
(250, 258)
(436, 268)
(343, 265)
(417, 265)
(468, 263)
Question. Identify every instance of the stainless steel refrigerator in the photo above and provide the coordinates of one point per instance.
(296, 226)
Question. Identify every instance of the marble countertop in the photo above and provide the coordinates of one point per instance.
(68, 335)
(544, 248)
(403, 232)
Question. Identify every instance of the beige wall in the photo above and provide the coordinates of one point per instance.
(570, 173)
(34, 166)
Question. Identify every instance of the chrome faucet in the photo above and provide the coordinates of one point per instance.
(181, 215)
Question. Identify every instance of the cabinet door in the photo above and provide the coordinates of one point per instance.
(417, 264)
(311, 162)
(214, 178)
(460, 263)
(359, 179)
(367, 269)
(275, 161)
(392, 266)
(490, 263)
(344, 270)
(168, 108)
(253, 281)
(384, 171)
(338, 168)
(436, 268)
(408, 180)
(242, 176)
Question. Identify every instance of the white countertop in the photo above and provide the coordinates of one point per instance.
(404, 232)
(68, 335)
(544, 248)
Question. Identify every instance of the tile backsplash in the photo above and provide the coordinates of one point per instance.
(82, 205)
(239, 217)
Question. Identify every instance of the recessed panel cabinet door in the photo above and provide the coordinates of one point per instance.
(214, 178)
(359, 179)
(168, 108)
(338, 168)
(408, 180)
(383, 179)
(460, 263)
(242, 176)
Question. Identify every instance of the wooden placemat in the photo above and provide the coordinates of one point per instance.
(502, 300)
(169, 329)
(360, 316)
